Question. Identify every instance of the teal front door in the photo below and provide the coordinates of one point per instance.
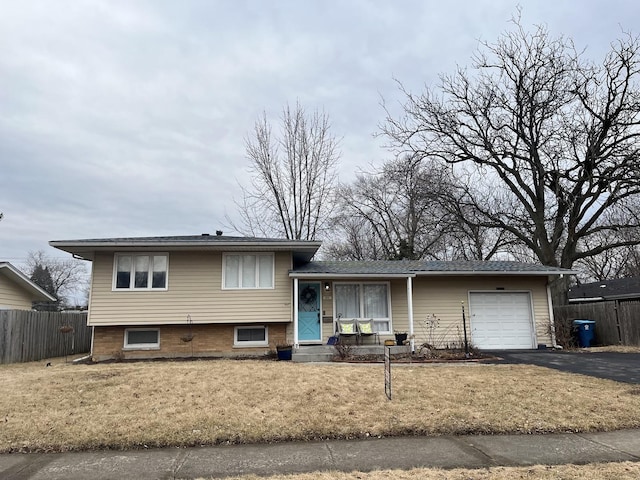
(309, 319)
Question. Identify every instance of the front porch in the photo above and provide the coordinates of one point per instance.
(321, 301)
(325, 353)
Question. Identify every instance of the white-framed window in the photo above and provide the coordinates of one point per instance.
(247, 270)
(141, 338)
(251, 336)
(140, 271)
(364, 300)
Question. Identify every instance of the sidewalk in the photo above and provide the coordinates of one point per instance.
(373, 454)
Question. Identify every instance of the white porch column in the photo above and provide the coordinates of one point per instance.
(410, 312)
(296, 342)
(552, 320)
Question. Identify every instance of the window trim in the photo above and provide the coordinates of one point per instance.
(140, 346)
(256, 254)
(250, 344)
(133, 255)
(361, 298)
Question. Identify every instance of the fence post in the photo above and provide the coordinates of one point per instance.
(615, 307)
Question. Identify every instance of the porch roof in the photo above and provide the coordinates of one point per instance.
(412, 268)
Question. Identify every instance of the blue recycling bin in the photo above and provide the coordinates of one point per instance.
(585, 330)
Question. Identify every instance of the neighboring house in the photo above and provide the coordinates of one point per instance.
(616, 289)
(221, 295)
(17, 292)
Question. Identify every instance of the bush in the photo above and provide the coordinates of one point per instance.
(565, 333)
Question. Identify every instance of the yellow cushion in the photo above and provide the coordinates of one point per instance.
(346, 327)
(365, 328)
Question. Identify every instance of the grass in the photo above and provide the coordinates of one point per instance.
(612, 471)
(131, 405)
(610, 348)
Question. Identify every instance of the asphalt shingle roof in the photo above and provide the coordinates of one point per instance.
(409, 267)
(616, 288)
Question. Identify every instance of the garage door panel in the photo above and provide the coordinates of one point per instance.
(501, 320)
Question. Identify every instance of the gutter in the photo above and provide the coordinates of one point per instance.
(587, 299)
(350, 275)
(493, 273)
(61, 244)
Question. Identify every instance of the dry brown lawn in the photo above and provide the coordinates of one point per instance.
(129, 405)
(600, 471)
(611, 348)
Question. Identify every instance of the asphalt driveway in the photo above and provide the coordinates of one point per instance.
(621, 367)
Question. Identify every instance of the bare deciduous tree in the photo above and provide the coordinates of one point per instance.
(353, 239)
(392, 214)
(64, 278)
(293, 176)
(612, 263)
(410, 209)
(554, 138)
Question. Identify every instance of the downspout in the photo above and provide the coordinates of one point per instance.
(410, 312)
(552, 321)
(93, 334)
(296, 342)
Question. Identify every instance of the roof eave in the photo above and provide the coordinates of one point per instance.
(332, 276)
(87, 250)
(37, 292)
(586, 299)
(431, 273)
(622, 296)
(495, 272)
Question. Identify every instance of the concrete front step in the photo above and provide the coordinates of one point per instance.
(325, 353)
(311, 357)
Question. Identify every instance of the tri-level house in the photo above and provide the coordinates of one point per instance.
(217, 295)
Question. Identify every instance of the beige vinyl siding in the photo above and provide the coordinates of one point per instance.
(12, 296)
(399, 306)
(194, 288)
(444, 296)
(328, 328)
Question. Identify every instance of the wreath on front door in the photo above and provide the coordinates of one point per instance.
(308, 295)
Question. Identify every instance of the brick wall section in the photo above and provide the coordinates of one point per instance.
(208, 341)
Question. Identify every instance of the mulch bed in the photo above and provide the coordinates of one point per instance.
(440, 357)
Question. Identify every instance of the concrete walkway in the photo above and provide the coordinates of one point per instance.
(365, 455)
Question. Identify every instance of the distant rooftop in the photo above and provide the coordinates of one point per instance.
(615, 289)
(19, 278)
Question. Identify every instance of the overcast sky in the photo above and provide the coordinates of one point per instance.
(128, 118)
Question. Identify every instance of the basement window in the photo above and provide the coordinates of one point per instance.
(141, 339)
(253, 336)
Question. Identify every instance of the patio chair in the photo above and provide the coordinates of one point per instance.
(365, 329)
(347, 328)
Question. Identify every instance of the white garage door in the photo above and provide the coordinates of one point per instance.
(501, 320)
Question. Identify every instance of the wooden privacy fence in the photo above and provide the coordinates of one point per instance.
(617, 321)
(27, 336)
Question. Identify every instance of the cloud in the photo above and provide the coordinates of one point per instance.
(129, 117)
